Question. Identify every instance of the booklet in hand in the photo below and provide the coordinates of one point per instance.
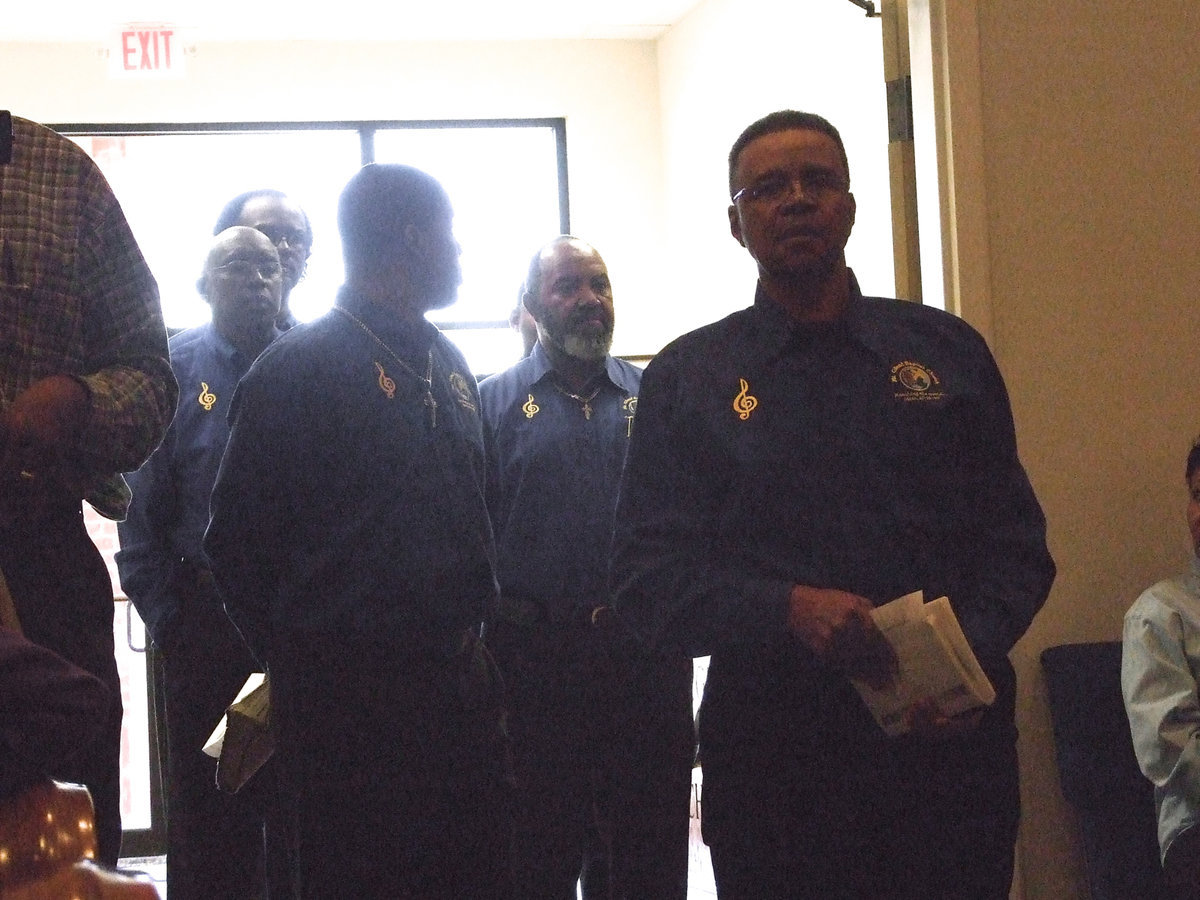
(935, 662)
(242, 740)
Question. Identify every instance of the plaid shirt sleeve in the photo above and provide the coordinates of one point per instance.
(77, 298)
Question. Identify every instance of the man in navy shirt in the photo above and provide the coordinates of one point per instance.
(214, 840)
(358, 437)
(281, 219)
(793, 466)
(597, 726)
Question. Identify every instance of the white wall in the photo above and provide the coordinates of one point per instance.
(725, 65)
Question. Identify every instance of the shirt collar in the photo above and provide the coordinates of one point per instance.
(387, 328)
(224, 348)
(777, 329)
(539, 368)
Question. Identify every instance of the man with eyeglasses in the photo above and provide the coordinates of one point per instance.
(793, 466)
(281, 219)
(214, 840)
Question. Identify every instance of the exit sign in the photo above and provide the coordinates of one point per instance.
(142, 50)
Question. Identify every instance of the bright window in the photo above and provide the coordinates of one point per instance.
(506, 181)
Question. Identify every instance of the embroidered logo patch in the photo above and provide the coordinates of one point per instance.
(745, 402)
(918, 382)
(207, 398)
(462, 391)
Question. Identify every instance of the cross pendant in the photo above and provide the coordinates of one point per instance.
(431, 405)
(587, 410)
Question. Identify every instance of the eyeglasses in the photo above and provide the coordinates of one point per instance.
(816, 184)
(278, 236)
(246, 269)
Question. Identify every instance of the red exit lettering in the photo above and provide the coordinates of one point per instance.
(148, 49)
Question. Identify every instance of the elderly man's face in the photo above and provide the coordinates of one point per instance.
(243, 283)
(282, 221)
(574, 305)
(433, 259)
(795, 213)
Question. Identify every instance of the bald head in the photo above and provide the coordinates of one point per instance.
(243, 283)
(569, 296)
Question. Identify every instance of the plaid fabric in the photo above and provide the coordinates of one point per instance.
(77, 298)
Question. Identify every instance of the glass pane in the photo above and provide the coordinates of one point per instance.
(503, 184)
(173, 186)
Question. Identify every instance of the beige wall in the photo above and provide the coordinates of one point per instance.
(1090, 116)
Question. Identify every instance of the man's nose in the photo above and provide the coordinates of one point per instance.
(797, 193)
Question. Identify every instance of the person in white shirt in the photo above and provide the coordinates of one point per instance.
(1160, 656)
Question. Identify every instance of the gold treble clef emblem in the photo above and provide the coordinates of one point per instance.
(385, 383)
(530, 408)
(745, 402)
(207, 398)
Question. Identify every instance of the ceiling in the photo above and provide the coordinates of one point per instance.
(356, 20)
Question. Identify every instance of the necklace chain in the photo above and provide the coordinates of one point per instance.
(426, 379)
(585, 402)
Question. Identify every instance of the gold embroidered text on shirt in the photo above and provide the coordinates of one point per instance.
(744, 403)
(207, 398)
(385, 383)
(530, 408)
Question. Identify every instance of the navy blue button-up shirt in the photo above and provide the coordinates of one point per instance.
(554, 466)
(345, 506)
(169, 512)
(875, 454)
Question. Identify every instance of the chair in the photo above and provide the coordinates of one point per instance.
(47, 844)
(1099, 773)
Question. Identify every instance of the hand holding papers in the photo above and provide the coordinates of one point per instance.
(936, 663)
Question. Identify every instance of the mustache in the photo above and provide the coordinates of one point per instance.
(579, 316)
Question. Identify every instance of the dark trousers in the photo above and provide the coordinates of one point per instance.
(1181, 868)
(653, 749)
(393, 769)
(63, 595)
(901, 820)
(603, 746)
(214, 839)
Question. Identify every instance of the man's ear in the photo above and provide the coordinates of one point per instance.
(735, 224)
(202, 287)
(414, 238)
(531, 304)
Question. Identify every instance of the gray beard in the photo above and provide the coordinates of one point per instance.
(590, 349)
